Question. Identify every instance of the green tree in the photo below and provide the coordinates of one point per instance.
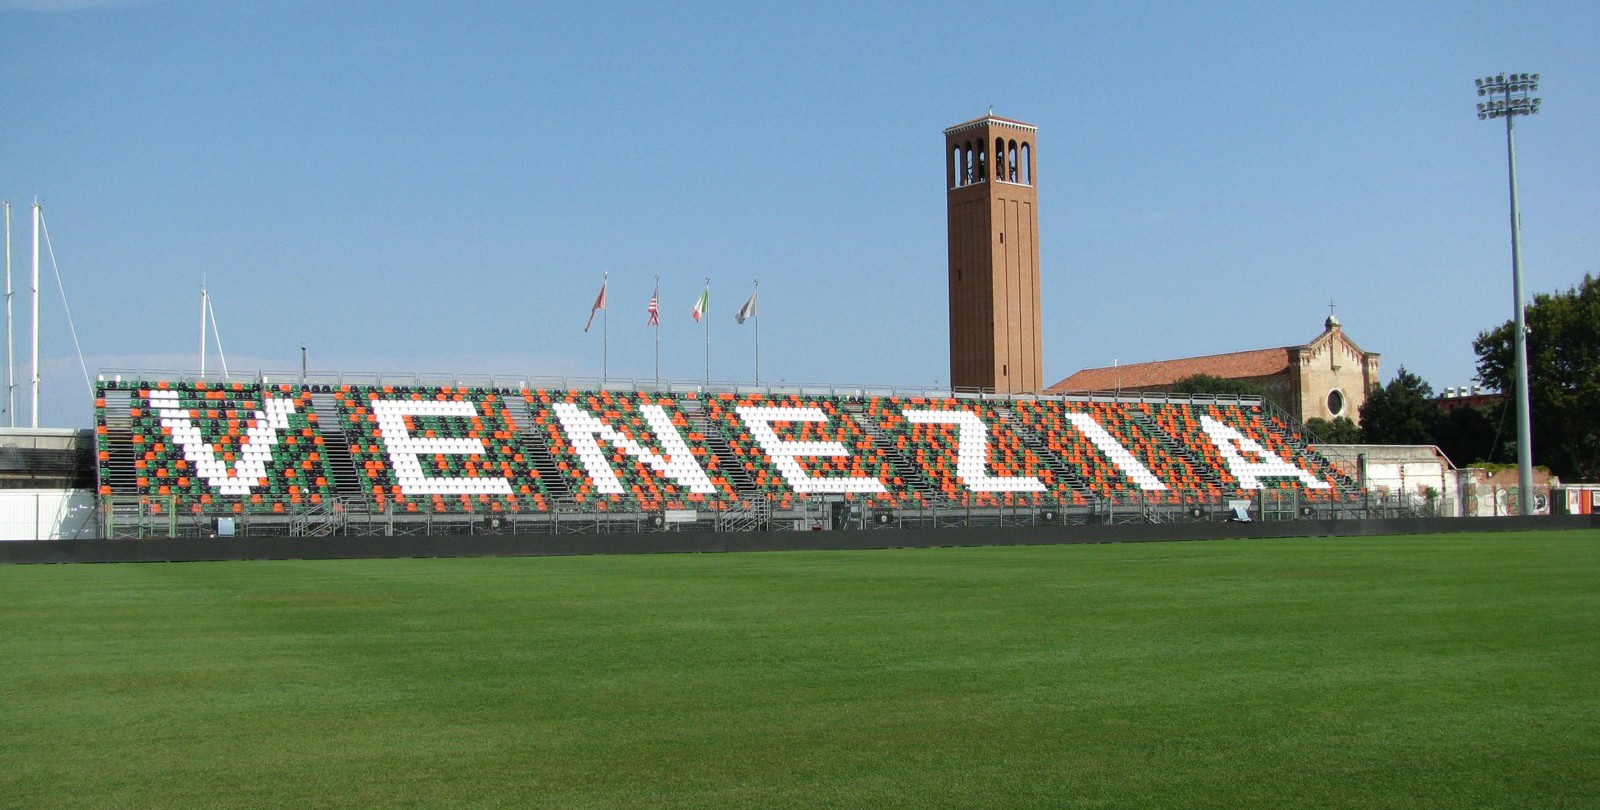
(1471, 435)
(1402, 412)
(1563, 376)
(1339, 430)
(1212, 384)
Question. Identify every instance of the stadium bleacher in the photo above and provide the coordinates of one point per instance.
(210, 448)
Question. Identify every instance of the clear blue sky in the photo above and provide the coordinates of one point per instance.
(437, 187)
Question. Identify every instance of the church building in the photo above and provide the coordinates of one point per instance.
(1327, 377)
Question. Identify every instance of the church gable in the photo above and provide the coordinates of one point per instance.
(1333, 350)
(1334, 375)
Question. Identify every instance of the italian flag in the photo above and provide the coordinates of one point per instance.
(700, 305)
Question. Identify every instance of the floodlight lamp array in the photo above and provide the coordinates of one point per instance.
(1501, 109)
(1513, 90)
(1503, 82)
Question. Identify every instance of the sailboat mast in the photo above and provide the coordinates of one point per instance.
(34, 412)
(11, 365)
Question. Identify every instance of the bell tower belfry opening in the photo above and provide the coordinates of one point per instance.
(993, 210)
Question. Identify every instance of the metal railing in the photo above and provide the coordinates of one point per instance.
(629, 384)
(158, 516)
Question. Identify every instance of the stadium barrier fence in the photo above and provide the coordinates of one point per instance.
(142, 517)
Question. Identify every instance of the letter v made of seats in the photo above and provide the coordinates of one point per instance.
(250, 469)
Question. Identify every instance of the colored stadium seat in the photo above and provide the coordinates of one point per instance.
(249, 448)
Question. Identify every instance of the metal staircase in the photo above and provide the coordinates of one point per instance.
(909, 473)
(727, 462)
(118, 471)
(1170, 445)
(123, 517)
(1051, 459)
(336, 456)
(536, 451)
(1296, 437)
(125, 514)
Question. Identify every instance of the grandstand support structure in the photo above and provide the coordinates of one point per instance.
(323, 520)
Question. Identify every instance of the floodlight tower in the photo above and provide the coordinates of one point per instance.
(1508, 95)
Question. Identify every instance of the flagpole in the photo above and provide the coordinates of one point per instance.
(656, 299)
(706, 320)
(605, 328)
(757, 316)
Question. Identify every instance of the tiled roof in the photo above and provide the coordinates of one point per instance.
(1257, 363)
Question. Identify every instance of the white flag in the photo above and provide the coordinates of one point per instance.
(748, 310)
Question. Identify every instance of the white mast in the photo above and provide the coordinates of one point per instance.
(11, 368)
(204, 299)
(35, 411)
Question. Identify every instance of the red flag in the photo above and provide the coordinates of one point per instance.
(599, 304)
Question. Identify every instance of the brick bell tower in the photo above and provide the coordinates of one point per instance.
(994, 255)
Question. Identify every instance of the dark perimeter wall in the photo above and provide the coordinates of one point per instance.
(526, 545)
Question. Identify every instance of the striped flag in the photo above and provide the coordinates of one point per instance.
(655, 308)
(599, 304)
(700, 304)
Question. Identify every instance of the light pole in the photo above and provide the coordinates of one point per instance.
(1508, 95)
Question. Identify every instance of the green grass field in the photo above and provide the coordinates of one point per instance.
(1441, 671)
